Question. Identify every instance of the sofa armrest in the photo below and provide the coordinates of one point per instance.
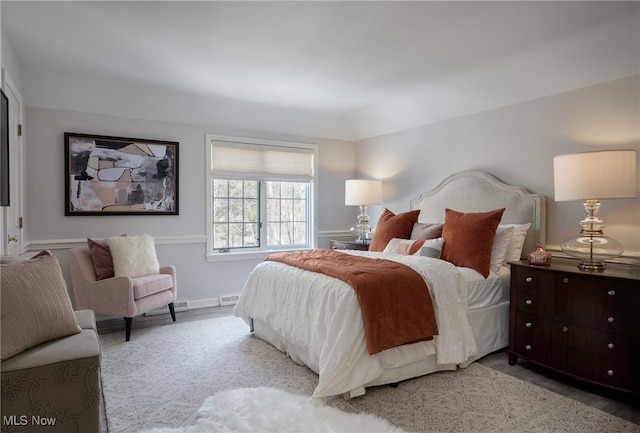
(86, 319)
(85, 344)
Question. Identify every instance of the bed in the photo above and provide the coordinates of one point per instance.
(316, 319)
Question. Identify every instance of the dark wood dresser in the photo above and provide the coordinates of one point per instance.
(583, 324)
(348, 245)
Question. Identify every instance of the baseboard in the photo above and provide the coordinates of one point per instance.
(221, 301)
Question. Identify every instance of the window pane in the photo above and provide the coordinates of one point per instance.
(300, 210)
(251, 210)
(273, 234)
(300, 190)
(236, 188)
(286, 233)
(273, 210)
(220, 210)
(220, 236)
(300, 231)
(235, 235)
(286, 207)
(251, 189)
(286, 190)
(251, 235)
(273, 189)
(220, 187)
(235, 210)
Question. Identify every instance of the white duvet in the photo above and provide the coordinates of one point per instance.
(320, 315)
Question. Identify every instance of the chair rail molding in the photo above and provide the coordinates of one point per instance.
(63, 244)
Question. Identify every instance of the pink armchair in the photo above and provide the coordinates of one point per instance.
(120, 296)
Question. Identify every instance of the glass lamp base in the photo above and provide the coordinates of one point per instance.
(592, 251)
(362, 232)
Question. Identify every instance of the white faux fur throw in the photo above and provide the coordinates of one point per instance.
(272, 410)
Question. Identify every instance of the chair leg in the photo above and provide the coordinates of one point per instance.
(172, 310)
(128, 321)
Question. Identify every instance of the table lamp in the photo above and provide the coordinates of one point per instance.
(363, 193)
(592, 176)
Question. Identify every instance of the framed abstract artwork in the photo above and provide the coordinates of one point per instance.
(120, 176)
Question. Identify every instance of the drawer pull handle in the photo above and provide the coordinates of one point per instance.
(611, 320)
(565, 329)
(528, 302)
(611, 293)
(565, 280)
(611, 346)
(610, 372)
(527, 347)
(527, 325)
(529, 280)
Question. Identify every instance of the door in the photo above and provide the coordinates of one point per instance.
(12, 242)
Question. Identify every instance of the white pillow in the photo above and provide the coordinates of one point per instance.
(517, 242)
(431, 248)
(500, 247)
(134, 256)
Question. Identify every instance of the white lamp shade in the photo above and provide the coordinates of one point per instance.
(359, 192)
(595, 175)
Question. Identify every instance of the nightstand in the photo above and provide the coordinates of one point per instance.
(583, 324)
(348, 245)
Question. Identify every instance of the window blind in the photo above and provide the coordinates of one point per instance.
(261, 162)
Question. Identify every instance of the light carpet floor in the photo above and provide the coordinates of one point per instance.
(164, 375)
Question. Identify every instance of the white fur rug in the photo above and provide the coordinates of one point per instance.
(271, 410)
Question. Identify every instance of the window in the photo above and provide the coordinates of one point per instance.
(260, 195)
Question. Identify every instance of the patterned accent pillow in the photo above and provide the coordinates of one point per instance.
(468, 238)
(405, 247)
(426, 231)
(35, 305)
(392, 226)
(431, 248)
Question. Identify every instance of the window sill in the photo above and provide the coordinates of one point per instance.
(249, 255)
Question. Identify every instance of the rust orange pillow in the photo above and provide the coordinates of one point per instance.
(468, 238)
(392, 226)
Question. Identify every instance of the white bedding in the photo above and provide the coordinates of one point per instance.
(485, 292)
(320, 316)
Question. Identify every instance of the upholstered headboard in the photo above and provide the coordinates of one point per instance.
(477, 191)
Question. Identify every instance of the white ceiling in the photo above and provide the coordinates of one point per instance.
(348, 70)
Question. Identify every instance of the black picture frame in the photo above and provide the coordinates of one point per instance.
(5, 175)
(107, 175)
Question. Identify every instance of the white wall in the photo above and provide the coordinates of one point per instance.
(9, 62)
(180, 239)
(517, 144)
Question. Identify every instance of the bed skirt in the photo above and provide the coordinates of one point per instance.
(490, 327)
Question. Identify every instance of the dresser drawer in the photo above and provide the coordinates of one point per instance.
(532, 301)
(531, 291)
(532, 337)
(606, 371)
(604, 304)
(588, 340)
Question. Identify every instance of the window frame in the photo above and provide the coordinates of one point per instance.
(262, 251)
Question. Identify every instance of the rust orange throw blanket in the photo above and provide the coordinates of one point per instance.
(394, 299)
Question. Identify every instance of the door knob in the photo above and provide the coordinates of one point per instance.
(12, 239)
